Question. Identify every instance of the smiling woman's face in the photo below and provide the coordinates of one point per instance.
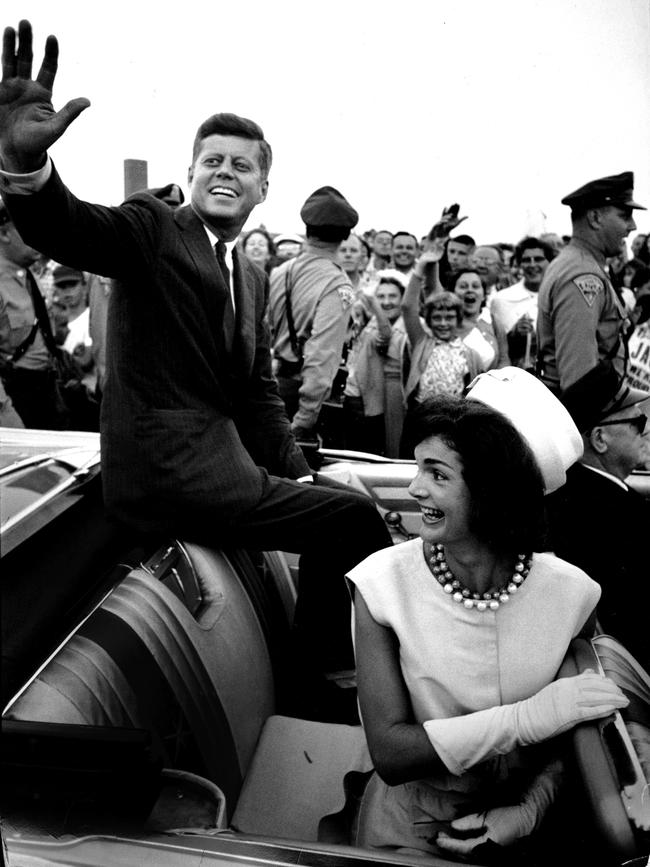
(469, 289)
(441, 492)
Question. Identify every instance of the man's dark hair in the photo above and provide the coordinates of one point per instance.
(242, 127)
(408, 235)
(466, 240)
(532, 243)
(504, 480)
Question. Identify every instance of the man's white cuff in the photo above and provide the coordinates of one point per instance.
(25, 184)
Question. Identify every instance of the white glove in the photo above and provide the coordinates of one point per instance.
(464, 741)
(505, 825)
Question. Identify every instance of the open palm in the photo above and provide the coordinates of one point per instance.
(29, 125)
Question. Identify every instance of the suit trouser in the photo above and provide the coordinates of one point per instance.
(333, 528)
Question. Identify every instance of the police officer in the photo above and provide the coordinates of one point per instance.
(309, 310)
(581, 319)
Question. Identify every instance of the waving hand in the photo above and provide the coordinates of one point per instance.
(29, 125)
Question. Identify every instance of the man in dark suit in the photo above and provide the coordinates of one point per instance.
(195, 440)
(596, 520)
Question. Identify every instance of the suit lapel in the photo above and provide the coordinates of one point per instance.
(215, 292)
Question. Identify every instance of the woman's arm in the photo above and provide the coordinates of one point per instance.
(400, 748)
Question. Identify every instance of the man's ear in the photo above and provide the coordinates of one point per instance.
(190, 175)
(264, 186)
(597, 440)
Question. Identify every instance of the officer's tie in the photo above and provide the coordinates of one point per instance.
(228, 309)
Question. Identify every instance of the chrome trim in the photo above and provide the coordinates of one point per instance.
(79, 474)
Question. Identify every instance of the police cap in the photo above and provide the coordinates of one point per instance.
(613, 190)
(327, 207)
(598, 394)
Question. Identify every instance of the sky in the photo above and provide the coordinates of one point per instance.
(405, 107)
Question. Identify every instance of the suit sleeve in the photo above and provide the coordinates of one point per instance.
(109, 241)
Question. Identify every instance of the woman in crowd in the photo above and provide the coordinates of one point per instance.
(258, 247)
(440, 363)
(475, 330)
(459, 635)
(373, 401)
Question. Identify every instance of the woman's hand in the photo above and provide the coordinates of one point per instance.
(506, 825)
(566, 702)
(433, 252)
(449, 220)
(502, 825)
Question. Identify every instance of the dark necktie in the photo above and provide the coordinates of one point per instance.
(228, 309)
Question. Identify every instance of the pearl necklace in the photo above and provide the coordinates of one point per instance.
(481, 601)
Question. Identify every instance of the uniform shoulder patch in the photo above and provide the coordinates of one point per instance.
(591, 286)
(346, 295)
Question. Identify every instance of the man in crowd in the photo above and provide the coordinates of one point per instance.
(309, 308)
(581, 318)
(26, 364)
(287, 246)
(459, 250)
(404, 253)
(381, 247)
(487, 260)
(195, 439)
(514, 309)
(596, 520)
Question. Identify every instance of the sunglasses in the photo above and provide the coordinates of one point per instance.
(638, 421)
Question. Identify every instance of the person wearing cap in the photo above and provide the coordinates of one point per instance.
(459, 634)
(287, 247)
(195, 439)
(70, 293)
(596, 520)
(26, 364)
(309, 309)
(581, 318)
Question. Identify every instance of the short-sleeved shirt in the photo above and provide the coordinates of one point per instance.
(581, 320)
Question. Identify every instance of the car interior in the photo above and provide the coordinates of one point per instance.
(149, 706)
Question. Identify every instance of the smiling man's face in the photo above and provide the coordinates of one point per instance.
(226, 182)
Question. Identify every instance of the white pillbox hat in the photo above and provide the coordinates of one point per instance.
(537, 414)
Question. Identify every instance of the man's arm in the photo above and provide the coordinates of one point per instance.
(575, 326)
(29, 125)
(322, 356)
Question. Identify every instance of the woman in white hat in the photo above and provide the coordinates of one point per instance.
(459, 633)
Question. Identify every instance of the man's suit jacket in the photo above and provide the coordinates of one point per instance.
(186, 427)
(604, 530)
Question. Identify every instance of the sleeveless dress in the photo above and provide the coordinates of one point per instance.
(456, 661)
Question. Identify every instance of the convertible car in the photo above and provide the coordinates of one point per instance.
(143, 717)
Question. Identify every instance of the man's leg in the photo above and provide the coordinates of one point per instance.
(333, 528)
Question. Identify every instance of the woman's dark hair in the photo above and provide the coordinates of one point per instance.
(443, 301)
(265, 234)
(502, 475)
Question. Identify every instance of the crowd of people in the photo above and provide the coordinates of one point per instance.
(516, 375)
(400, 320)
